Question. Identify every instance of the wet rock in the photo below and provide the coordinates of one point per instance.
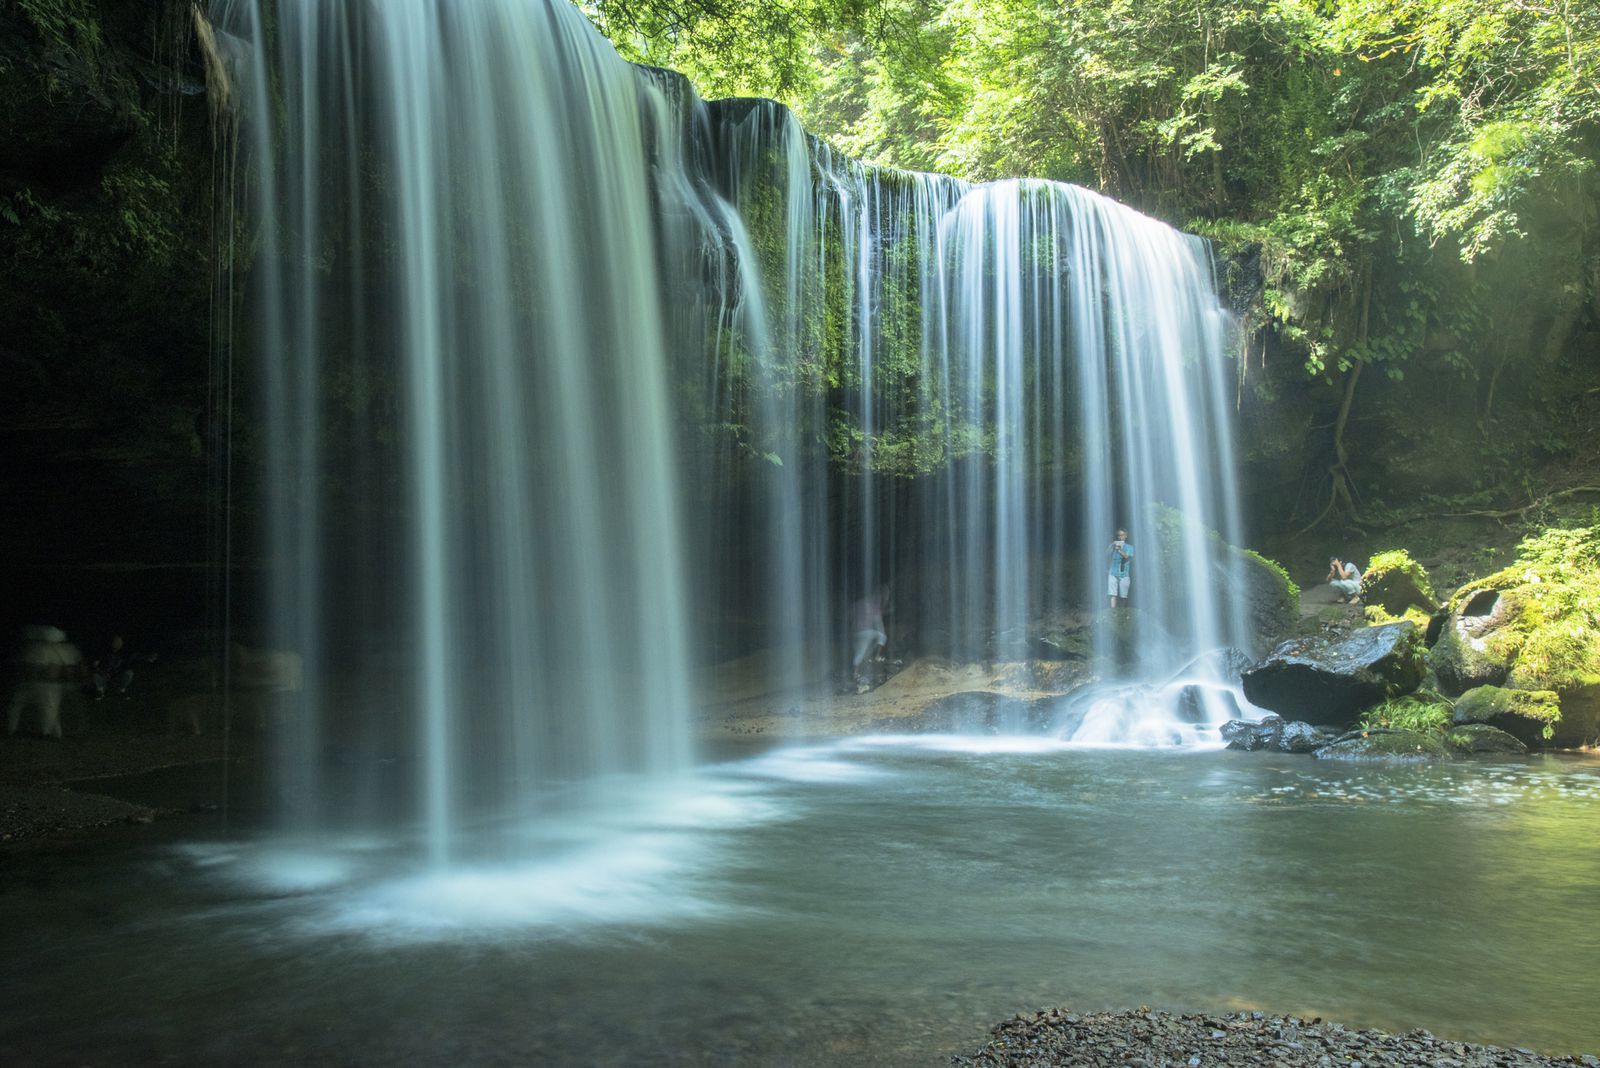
(1273, 734)
(1527, 715)
(1325, 682)
(1482, 738)
(1226, 665)
(1579, 724)
(1385, 745)
(1198, 703)
(974, 712)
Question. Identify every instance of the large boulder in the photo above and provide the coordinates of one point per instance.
(1327, 682)
(1530, 716)
(1380, 745)
(1273, 734)
(1482, 738)
(1472, 649)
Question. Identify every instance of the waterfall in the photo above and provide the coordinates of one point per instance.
(1024, 367)
(472, 499)
(573, 385)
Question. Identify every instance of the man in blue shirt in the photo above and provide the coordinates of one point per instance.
(1121, 559)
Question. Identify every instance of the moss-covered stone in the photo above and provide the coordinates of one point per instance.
(1398, 585)
(1533, 626)
(1482, 738)
(1386, 746)
(1544, 610)
(1271, 595)
(1528, 715)
(1469, 651)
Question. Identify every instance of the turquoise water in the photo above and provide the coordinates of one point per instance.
(871, 902)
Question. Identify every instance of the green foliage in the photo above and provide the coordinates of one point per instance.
(1506, 90)
(1413, 180)
(736, 49)
(1423, 711)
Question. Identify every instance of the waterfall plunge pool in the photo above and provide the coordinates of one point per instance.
(871, 901)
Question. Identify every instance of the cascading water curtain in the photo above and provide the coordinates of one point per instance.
(525, 311)
(471, 488)
(1070, 378)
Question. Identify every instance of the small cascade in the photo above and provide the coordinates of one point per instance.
(573, 385)
(1023, 368)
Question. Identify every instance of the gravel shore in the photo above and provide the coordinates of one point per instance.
(50, 786)
(1146, 1039)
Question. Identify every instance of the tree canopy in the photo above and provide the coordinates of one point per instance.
(1412, 181)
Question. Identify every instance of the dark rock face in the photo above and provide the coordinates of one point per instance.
(1463, 656)
(1194, 703)
(1274, 735)
(1327, 682)
(1482, 738)
(1271, 606)
(1580, 716)
(1526, 715)
(1383, 745)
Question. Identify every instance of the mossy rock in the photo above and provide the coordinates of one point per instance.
(1482, 738)
(1399, 585)
(1272, 599)
(1530, 716)
(1534, 625)
(1386, 746)
(1474, 647)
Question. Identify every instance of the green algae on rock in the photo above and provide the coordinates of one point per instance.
(1387, 746)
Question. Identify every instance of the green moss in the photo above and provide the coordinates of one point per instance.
(1551, 639)
(1398, 588)
(1423, 711)
(1386, 744)
(1396, 561)
(1485, 704)
(1377, 616)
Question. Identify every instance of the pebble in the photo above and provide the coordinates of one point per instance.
(1144, 1038)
